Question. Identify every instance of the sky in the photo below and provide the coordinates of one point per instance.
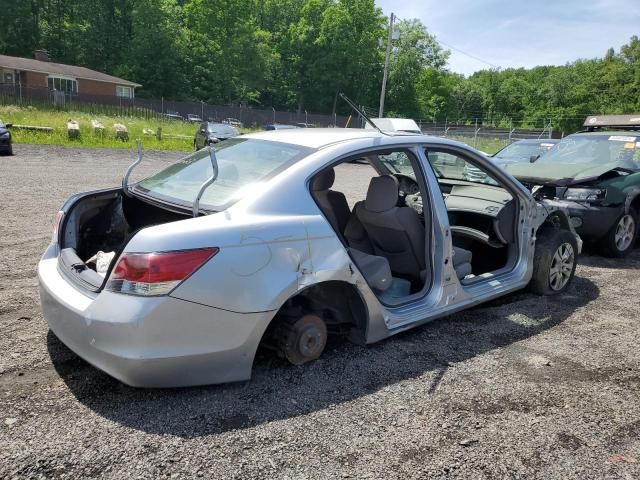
(520, 33)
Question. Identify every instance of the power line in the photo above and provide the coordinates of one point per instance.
(468, 54)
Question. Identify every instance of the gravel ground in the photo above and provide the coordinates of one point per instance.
(524, 387)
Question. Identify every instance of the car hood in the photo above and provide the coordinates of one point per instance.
(560, 174)
(3, 130)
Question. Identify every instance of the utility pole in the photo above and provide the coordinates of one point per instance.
(386, 65)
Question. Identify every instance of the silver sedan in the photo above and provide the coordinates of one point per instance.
(178, 279)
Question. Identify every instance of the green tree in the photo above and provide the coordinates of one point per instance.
(415, 51)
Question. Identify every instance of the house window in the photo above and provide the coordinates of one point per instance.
(125, 92)
(66, 85)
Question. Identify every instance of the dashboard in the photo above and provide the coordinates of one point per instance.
(483, 212)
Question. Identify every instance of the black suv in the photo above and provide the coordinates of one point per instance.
(6, 145)
(209, 133)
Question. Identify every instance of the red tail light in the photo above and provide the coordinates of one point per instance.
(156, 273)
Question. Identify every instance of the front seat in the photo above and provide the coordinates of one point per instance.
(333, 204)
(462, 262)
(396, 233)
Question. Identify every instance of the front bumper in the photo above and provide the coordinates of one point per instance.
(591, 221)
(153, 341)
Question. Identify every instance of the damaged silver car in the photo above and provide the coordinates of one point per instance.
(248, 243)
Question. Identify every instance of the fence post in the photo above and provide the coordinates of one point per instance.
(475, 135)
(510, 129)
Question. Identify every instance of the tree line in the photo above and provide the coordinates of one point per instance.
(298, 54)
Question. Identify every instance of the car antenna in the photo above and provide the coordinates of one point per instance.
(361, 113)
(125, 179)
(207, 182)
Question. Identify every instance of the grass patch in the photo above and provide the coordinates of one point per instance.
(135, 125)
(87, 138)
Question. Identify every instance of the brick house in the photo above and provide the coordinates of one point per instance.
(43, 74)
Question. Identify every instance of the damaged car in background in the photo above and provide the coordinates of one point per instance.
(595, 175)
(245, 244)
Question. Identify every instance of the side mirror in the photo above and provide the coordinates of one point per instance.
(8, 125)
(533, 158)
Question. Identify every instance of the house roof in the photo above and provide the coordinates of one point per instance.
(30, 65)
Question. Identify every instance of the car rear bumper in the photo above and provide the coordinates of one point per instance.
(152, 341)
(591, 222)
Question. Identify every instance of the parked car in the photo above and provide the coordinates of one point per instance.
(174, 116)
(210, 133)
(234, 122)
(305, 125)
(193, 118)
(516, 152)
(6, 142)
(278, 126)
(596, 174)
(245, 243)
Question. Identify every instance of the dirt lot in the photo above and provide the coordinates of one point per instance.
(524, 387)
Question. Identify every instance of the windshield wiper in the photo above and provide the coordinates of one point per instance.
(207, 182)
(125, 179)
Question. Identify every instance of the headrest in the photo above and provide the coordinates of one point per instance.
(382, 194)
(323, 181)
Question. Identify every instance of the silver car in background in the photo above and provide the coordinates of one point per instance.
(517, 152)
(178, 279)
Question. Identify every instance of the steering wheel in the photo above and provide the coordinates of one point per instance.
(409, 192)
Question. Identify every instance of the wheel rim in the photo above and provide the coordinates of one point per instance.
(561, 266)
(625, 230)
(311, 342)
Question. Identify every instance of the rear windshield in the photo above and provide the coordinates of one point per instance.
(622, 150)
(242, 164)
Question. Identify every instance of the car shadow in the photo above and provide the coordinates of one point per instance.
(345, 372)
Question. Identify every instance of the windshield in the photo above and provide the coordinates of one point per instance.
(523, 151)
(242, 163)
(623, 150)
(398, 162)
(222, 129)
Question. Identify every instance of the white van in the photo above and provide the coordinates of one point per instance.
(395, 125)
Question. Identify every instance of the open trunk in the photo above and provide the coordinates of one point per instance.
(104, 221)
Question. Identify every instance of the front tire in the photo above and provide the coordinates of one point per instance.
(619, 241)
(554, 262)
(301, 340)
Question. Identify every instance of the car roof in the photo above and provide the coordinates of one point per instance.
(318, 138)
(609, 133)
(315, 137)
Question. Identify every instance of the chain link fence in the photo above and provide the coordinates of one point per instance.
(37, 97)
